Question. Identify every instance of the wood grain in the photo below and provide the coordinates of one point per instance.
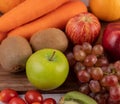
(20, 83)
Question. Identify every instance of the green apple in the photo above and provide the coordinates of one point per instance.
(47, 69)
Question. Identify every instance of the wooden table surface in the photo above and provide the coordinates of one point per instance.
(20, 83)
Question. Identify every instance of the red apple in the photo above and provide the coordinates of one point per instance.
(84, 27)
(111, 40)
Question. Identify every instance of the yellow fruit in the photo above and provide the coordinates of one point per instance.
(6, 5)
(107, 10)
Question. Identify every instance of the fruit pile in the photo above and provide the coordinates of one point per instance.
(10, 96)
(24, 44)
(97, 77)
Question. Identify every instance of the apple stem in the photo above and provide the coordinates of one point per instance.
(52, 56)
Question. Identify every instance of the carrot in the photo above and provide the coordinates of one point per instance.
(26, 12)
(57, 18)
(2, 36)
(6, 5)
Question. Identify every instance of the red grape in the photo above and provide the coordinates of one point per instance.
(94, 86)
(109, 80)
(118, 74)
(76, 48)
(106, 69)
(83, 76)
(79, 55)
(89, 69)
(111, 66)
(78, 66)
(115, 93)
(110, 101)
(84, 88)
(70, 58)
(96, 73)
(101, 98)
(117, 68)
(87, 47)
(97, 50)
(103, 61)
(117, 65)
(90, 60)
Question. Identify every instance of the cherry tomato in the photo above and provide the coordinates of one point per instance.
(32, 96)
(37, 103)
(7, 94)
(49, 101)
(16, 100)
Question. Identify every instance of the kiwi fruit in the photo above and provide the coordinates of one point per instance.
(14, 52)
(49, 38)
(75, 97)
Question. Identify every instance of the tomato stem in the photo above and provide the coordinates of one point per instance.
(51, 58)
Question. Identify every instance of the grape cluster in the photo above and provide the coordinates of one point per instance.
(97, 77)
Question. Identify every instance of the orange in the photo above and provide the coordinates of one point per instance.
(107, 10)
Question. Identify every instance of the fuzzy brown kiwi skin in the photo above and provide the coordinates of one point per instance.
(14, 52)
(49, 38)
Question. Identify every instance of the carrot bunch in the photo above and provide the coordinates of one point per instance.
(34, 15)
